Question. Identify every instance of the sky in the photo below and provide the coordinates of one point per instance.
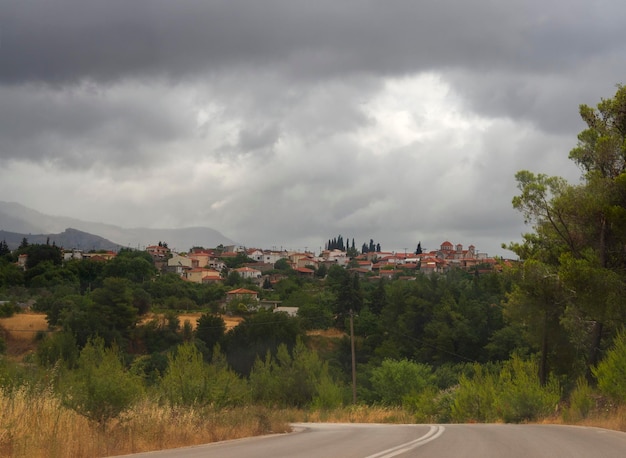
(285, 123)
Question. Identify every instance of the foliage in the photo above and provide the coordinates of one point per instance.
(160, 333)
(189, 381)
(211, 330)
(299, 378)
(8, 309)
(135, 266)
(513, 394)
(256, 335)
(580, 230)
(38, 253)
(580, 402)
(100, 388)
(10, 274)
(393, 380)
(58, 347)
(611, 371)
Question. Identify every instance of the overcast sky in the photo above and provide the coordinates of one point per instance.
(287, 123)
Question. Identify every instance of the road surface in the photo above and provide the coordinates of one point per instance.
(328, 440)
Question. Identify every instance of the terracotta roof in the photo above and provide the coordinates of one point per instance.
(241, 291)
(304, 270)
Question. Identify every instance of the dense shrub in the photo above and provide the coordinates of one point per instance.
(513, 394)
(580, 402)
(189, 381)
(299, 378)
(393, 380)
(100, 388)
(611, 371)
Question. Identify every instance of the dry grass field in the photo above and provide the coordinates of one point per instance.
(20, 330)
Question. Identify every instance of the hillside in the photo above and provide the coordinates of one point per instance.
(70, 238)
(18, 219)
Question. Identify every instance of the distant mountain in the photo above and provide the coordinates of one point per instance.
(70, 238)
(19, 219)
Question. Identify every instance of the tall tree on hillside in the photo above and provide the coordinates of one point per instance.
(4, 248)
(581, 229)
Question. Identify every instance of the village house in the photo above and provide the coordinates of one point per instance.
(242, 294)
(100, 256)
(202, 275)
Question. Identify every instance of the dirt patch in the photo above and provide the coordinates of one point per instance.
(19, 332)
(231, 321)
(333, 332)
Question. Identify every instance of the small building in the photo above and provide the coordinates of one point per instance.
(242, 294)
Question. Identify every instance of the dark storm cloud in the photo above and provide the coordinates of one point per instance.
(64, 40)
(397, 120)
(81, 126)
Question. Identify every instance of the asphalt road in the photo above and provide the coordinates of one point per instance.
(315, 440)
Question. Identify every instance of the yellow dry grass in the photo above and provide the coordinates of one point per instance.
(613, 418)
(38, 425)
(352, 414)
(19, 332)
(231, 321)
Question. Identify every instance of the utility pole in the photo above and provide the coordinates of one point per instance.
(353, 357)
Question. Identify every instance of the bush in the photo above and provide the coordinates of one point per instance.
(611, 371)
(100, 388)
(189, 381)
(513, 395)
(474, 399)
(580, 402)
(393, 380)
(521, 397)
(297, 379)
(59, 346)
(8, 309)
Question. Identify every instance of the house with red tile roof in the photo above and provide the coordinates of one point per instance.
(241, 293)
(202, 275)
(248, 273)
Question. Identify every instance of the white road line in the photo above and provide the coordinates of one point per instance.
(433, 433)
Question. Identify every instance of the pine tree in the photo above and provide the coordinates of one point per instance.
(4, 248)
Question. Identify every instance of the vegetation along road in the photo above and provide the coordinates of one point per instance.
(427, 441)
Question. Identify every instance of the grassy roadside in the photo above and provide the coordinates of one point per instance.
(34, 422)
(38, 425)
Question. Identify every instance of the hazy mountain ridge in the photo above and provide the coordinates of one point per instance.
(70, 238)
(18, 219)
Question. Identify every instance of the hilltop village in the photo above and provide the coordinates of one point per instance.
(201, 265)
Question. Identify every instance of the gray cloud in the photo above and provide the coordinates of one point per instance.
(286, 123)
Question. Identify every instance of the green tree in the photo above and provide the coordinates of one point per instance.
(611, 371)
(211, 330)
(136, 266)
(581, 229)
(4, 248)
(256, 335)
(297, 378)
(189, 381)
(101, 388)
(539, 300)
(394, 380)
(10, 274)
(40, 253)
(114, 305)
